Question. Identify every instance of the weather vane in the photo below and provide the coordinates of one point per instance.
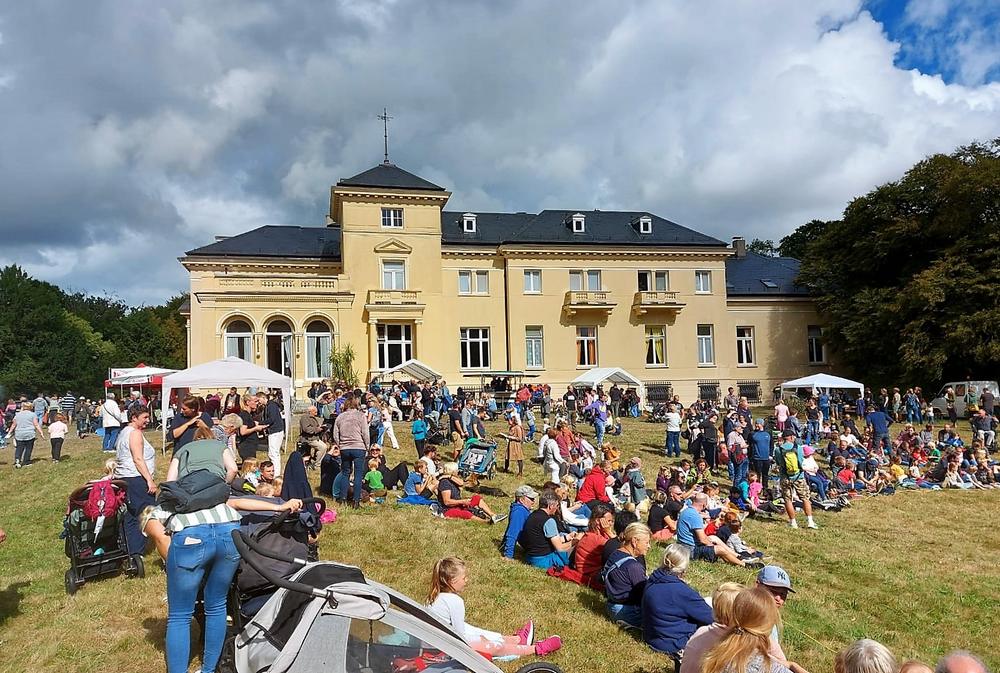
(385, 132)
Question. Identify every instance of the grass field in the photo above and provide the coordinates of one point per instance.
(916, 571)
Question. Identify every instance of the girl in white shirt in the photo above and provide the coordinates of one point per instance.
(448, 580)
(57, 435)
(387, 430)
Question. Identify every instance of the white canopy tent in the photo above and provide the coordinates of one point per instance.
(415, 369)
(226, 373)
(825, 382)
(597, 375)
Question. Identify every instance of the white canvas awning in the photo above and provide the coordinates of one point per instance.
(825, 382)
(131, 376)
(414, 369)
(597, 375)
(226, 373)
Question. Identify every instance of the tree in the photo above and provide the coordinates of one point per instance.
(908, 279)
(342, 364)
(763, 247)
(796, 244)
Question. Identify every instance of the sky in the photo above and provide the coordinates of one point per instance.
(132, 132)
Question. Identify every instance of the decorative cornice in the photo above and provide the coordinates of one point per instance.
(245, 265)
(277, 297)
(618, 252)
(394, 246)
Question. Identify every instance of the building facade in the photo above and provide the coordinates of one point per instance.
(397, 276)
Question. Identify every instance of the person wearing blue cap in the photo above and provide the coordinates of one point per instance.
(779, 585)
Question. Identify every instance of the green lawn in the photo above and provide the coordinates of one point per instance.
(916, 571)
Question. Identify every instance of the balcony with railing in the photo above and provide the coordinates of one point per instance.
(394, 304)
(644, 301)
(579, 300)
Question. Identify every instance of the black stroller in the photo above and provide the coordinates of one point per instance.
(96, 547)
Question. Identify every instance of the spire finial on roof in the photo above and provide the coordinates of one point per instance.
(385, 132)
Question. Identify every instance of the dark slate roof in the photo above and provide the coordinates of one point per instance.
(277, 241)
(751, 276)
(551, 226)
(390, 176)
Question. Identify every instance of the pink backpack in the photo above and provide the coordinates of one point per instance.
(103, 500)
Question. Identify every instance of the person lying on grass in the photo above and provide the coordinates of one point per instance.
(448, 580)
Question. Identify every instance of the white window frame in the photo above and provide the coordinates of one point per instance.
(287, 363)
(478, 281)
(706, 345)
(652, 276)
(470, 341)
(662, 338)
(537, 275)
(383, 343)
(239, 337)
(469, 223)
(396, 274)
(585, 278)
(534, 347)
(746, 349)
(392, 218)
(698, 285)
(585, 339)
(579, 223)
(313, 341)
(815, 344)
(645, 225)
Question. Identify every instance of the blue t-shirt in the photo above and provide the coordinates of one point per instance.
(419, 429)
(689, 521)
(413, 482)
(550, 529)
(761, 441)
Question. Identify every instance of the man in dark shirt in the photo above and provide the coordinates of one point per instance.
(987, 401)
(247, 437)
(879, 422)
(275, 430)
(569, 399)
(710, 438)
(616, 400)
(185, 424)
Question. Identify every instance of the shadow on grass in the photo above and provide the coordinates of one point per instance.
(156, 631)
(596, 603)
(10, 600)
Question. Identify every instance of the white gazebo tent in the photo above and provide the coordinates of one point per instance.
(597, 375)
(415, 369)
(226, 373)
(825, 382)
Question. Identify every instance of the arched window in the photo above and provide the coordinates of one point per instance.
(279, 347)
(239, 340)
(319, 341)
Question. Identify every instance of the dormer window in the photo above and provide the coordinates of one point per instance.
(645, 224)
(469, 223)
(577, 221)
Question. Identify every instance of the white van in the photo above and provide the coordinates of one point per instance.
(961, 389)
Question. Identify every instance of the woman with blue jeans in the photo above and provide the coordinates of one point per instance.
(625, 577)
(350, 433)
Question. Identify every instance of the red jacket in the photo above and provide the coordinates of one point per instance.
(592, 487)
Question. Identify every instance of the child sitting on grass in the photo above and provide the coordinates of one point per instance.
(248, 478)
(373, 482)
(418, 486)
(736, 543)
(448, 580)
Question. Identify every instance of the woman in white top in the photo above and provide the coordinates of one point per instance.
(672, 447)
(136, 460)
(551, 460)
(387, 430)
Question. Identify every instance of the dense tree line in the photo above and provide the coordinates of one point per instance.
(907, 280)
(51, 341)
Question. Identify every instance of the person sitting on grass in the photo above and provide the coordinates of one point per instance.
(329, 469)
(849, 479)
(456, 507)
(865, 656)
(448, 580)
(588, 559)
(593, 490)
(707, 637)
(545, 541)
(660, 523)
(746, 647)
(520, 509)
(671, 609)
(625, 577)
(418, 487)
(736, 543)
(375, 489)
(691, 534)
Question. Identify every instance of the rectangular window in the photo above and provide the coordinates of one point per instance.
(706, 345)
(533, 348)
(532, 281)
(393, 274)
(817, 350)
(656, 345)
(473, 282)
(395, 344)
(239, 346)
(392, 217)
(589, 281)
(475, 347)
(650, 281)
(703, 282)
(586, 346)
(745, 355)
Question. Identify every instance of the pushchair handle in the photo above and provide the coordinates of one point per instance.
(317, 505)
(244, 544)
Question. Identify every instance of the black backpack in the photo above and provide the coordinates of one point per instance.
(197, 490)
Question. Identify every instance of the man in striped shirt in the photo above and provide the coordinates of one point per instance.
(68, 405)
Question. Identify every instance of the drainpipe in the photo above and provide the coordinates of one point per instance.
(506, 312)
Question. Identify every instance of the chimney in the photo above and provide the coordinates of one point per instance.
(740, 246)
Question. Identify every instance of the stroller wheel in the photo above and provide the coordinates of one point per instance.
(540, 667)
(71, 582)
(136, 566)
(227, 661)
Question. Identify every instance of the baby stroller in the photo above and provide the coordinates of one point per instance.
(95, 545)
(330, 617)
(477, 460)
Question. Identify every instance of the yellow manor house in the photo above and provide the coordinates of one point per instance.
(551, 295)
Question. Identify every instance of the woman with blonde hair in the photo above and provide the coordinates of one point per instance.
(865, 656)
(671, 610)
(707, 637)
(746, 648)
(453, 506)
(625, 577)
